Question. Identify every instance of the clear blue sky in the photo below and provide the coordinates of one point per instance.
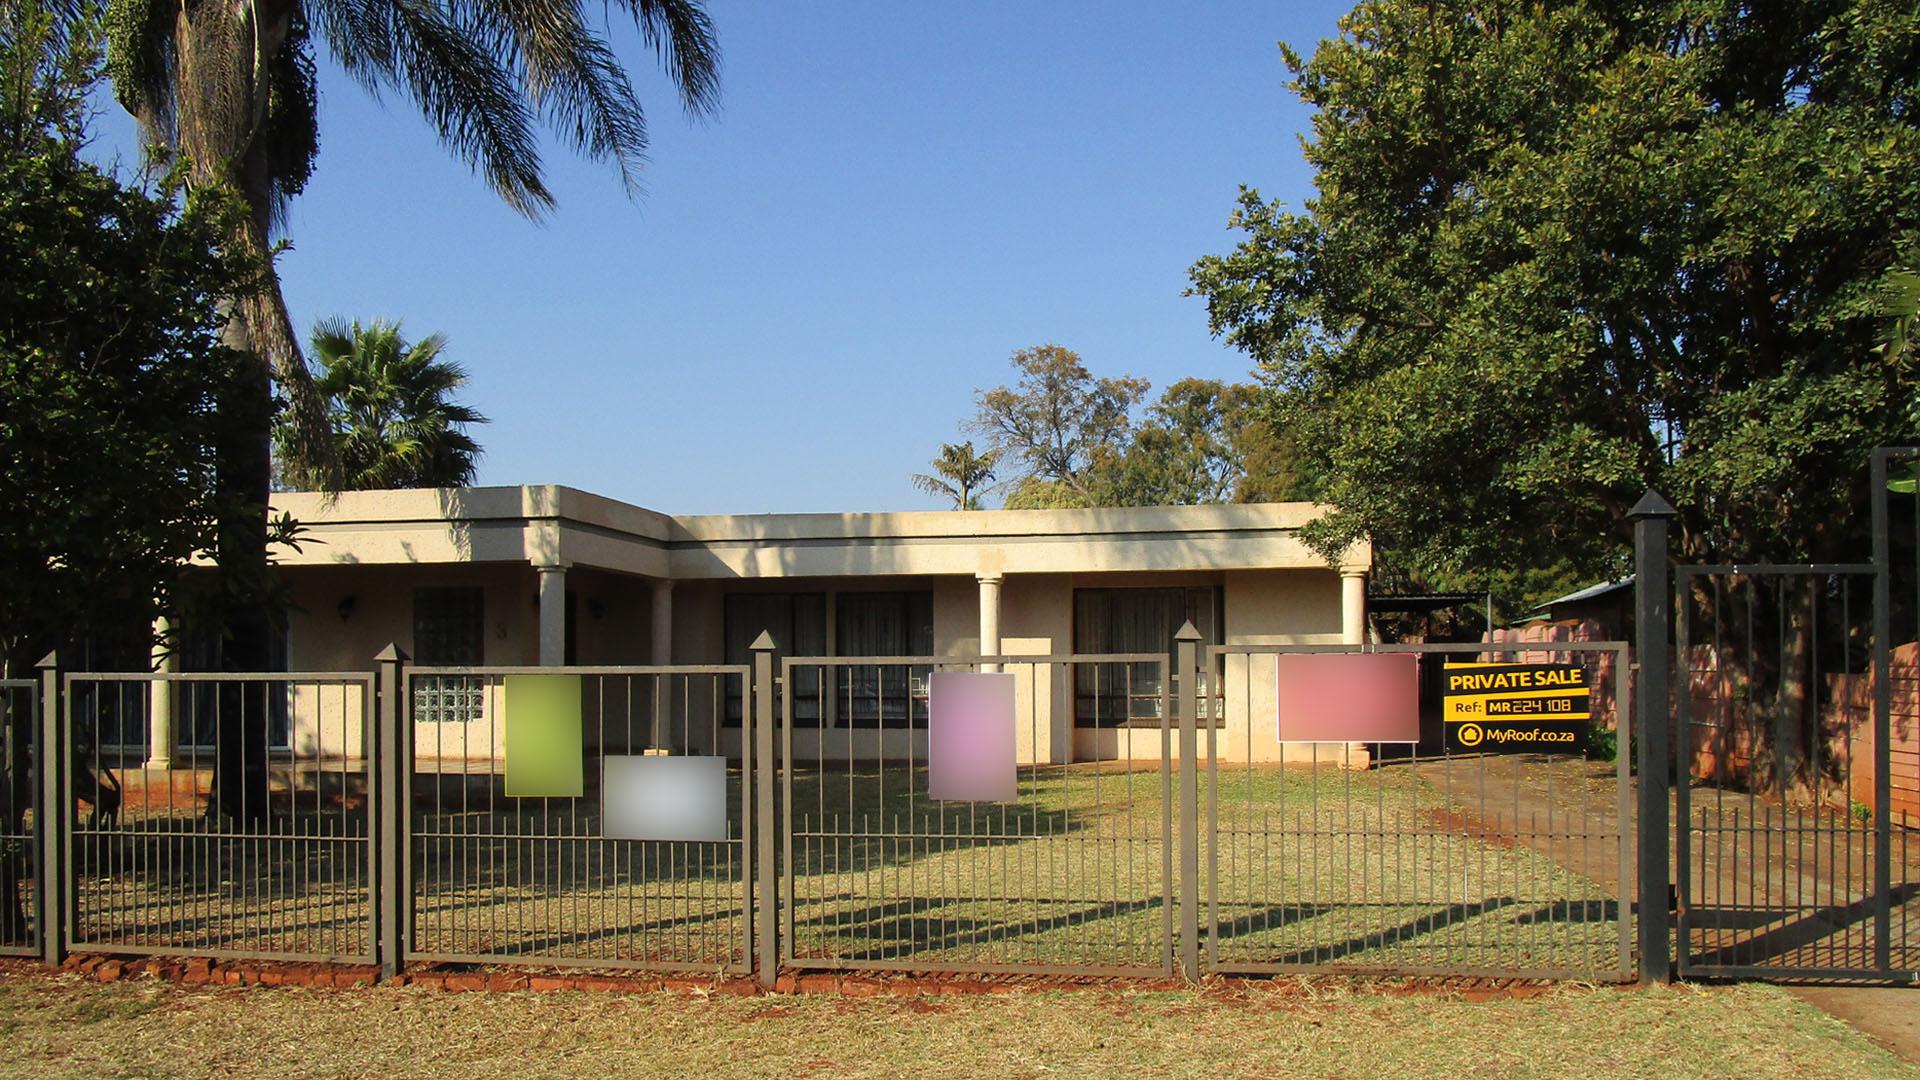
(800, 307)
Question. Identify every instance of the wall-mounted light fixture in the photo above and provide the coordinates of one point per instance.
(346, 606)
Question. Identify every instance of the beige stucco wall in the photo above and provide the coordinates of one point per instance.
(379, 546)
(560, 526)
(318, 639)
(1276, 609)
(537, 525)
(612, 626)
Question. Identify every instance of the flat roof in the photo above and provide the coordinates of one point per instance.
(555, 525)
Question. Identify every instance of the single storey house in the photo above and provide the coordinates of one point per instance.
(549, 575)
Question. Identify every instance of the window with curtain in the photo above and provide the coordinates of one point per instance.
(883, 624)
(1131, 621)
(798, 623)
(449, 630)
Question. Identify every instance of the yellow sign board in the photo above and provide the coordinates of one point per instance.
(1515, 706)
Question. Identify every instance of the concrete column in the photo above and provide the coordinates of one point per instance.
(553, 615)
(1353, 607)
(989, 617)
(1353, 631)
(160, 709)
(662, 653)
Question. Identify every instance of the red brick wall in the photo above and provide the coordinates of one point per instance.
(1903, 723)
(1722, 738)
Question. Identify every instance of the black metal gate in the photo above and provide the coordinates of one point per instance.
(1799, 782)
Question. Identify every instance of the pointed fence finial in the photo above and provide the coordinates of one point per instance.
(763, 643)
(1187, 632)
(1652, 504)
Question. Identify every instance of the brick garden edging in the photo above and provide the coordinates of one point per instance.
(200, 971)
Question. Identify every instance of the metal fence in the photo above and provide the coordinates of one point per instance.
(492, 876)
(20, 846)
(245, 835)
(1158, 821)
(1074, 875)
(374, 818)
(1775, 867)
(1417, 858)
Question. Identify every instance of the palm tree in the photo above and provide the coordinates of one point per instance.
(958, 474)
(390, 407)
(227, 86)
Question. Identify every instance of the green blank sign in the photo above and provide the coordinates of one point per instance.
(544, 741)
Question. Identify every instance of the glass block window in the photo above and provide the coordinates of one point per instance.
(449, 630)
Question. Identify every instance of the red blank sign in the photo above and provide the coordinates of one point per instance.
(1349, 697)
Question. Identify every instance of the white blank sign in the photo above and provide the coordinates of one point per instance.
(664, 797)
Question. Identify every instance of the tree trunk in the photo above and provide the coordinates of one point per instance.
(223, 104)
(245, 478)
(1796, 718)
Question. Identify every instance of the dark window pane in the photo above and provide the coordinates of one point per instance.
(883, 624)
(798, 623)
(1131, 621)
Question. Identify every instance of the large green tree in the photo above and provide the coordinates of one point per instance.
(1204, 441)
(112, 380)
(1560, 252)
(111, 369)
(1058, 428)
(390, 407)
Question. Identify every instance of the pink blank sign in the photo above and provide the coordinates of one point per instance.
(1349, 697)
(970, 751)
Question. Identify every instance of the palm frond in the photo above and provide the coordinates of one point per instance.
(682, 35)
(481, 70)
(571, 76)
(466, 91)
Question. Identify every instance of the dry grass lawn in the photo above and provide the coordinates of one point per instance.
(67, 1027)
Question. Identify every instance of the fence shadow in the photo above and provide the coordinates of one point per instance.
(1809, 930)
(901, 928)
